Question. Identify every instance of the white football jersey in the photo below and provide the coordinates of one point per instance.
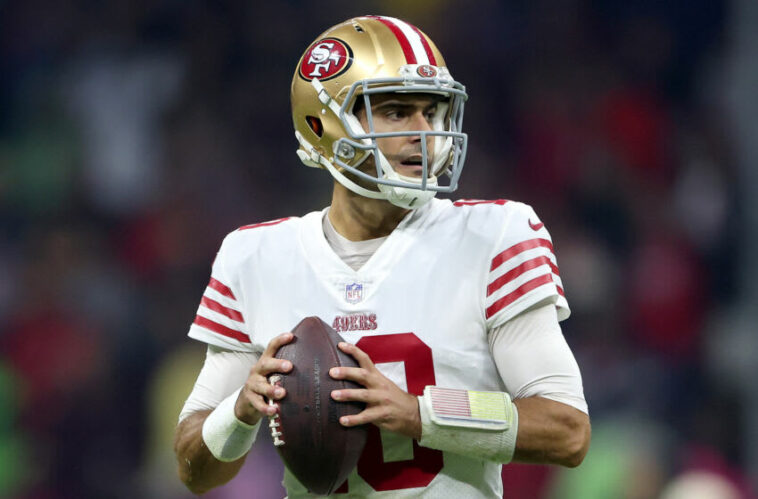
(420, 307)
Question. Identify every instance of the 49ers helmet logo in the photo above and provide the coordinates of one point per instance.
(325, 59)
(426, 71)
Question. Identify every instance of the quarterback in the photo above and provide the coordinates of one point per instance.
(443, 304)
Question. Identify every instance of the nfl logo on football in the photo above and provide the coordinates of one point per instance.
(353, 292)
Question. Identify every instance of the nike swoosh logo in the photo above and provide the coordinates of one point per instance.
(536, 226)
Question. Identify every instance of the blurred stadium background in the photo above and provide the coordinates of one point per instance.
(135, 134)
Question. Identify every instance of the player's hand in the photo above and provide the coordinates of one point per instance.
(251, 405)
(387, 406)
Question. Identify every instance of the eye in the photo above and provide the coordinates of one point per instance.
(395, 114)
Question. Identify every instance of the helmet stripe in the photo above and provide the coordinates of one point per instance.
(409, 38)
(414, 39)
(410, 57)
(425, 43)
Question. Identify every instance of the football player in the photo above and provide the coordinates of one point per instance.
(452, 309)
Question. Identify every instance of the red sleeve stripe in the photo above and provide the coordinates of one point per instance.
(517, 271)
(221, 288)
(222, 330)
(264, 224)
(217, 307)
(519, 248)
(518, 293)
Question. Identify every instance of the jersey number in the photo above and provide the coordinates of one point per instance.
(419, 372)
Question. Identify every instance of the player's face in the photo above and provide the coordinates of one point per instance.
(400, 113)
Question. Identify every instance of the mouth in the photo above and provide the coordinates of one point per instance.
(412, 161)
(411, 168)
(413, 165)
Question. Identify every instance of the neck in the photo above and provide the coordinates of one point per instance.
(359, 218)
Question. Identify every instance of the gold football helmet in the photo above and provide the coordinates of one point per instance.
(356, 59)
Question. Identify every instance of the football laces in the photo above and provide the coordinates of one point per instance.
(273, 421)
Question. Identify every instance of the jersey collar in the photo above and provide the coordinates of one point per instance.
(324, 260)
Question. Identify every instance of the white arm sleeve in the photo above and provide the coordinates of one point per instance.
(533, 358)
(224, 371)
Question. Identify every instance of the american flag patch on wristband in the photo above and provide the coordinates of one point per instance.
(468, 408)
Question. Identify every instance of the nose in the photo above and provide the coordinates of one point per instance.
(421, 122)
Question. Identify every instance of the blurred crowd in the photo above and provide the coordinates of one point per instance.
(135, 134)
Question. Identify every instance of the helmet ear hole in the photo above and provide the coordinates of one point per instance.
(315, 125)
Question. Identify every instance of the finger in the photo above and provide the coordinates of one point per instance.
(368, 415)
(268, 365)
(276, 343)
(352, 394)
(362, 357)
(357, 374)
(266, 389)
(261, 396)
(258, 403)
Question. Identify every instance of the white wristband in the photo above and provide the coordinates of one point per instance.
(445, 427)
(226, 437)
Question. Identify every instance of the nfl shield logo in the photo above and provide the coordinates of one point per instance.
(353, 292)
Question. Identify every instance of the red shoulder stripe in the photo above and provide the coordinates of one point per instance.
(221, 329)
(472, 202)
(264, 224)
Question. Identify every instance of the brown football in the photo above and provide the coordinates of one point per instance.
(314, 446)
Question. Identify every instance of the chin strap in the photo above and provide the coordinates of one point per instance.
(404, 197)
